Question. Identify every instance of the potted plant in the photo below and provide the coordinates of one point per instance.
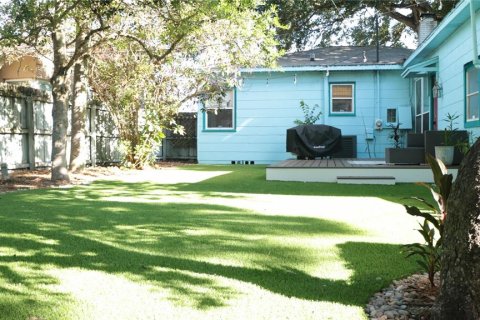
(395, 136)
(396, 155)
(446, 151)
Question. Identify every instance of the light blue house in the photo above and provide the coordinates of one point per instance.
(442, 74)
(355, 93)
(349, 86)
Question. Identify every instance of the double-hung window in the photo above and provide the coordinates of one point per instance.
(342, 99)
(220, 113)
(472, 108)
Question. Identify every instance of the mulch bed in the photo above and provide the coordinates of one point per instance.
(40, 179)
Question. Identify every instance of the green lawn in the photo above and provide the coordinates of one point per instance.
(231, 246)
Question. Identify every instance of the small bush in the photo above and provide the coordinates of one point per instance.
(429, 253)
(310, 113)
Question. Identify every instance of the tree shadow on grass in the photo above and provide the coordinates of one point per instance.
(173, 246)
(24, 294)
(252, 179)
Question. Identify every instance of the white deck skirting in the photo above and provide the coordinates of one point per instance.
(333, 170)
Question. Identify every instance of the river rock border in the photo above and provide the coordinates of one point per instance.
(407, 299)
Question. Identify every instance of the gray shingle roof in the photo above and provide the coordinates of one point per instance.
(345, 56)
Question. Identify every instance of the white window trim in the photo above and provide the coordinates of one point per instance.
(468, 95)
(232, 107)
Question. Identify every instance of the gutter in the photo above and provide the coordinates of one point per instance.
(473, 25)
(326, 68)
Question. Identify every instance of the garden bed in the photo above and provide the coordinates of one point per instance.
(40, 178)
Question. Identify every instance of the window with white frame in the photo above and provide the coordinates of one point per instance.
(220, 113)
(421, 105)
(472, 108)
(342, 100)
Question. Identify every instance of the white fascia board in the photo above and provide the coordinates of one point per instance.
(325, 68)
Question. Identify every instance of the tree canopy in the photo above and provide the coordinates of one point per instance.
(187, 48)
(172, 53)
(325, 22)
(64, 32)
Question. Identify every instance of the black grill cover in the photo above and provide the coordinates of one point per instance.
(315, 140)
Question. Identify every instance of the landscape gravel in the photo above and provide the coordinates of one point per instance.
(411, 298)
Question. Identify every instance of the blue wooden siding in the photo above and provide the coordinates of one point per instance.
(268, 104)
(453, 54)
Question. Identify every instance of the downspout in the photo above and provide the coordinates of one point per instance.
(379, 107)
(326, 103)
(473, 25)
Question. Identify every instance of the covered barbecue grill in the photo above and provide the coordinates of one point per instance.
(315, 140)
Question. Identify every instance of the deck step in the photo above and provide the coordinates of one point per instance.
(387, 180)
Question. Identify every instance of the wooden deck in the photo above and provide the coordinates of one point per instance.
(357, 171)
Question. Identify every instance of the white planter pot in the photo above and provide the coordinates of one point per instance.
(445, 153)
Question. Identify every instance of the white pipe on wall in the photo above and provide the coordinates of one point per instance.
(379, 114)
(326, 104)
(473, 25)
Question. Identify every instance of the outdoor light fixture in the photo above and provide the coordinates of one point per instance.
(437, 90)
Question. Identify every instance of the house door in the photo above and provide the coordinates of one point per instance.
(422, 110)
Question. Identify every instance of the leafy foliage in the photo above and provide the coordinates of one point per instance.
(450, 129)
(323, 22)
(64, 32)
(184, 49)
(125, 81)
(13, 90)
(310, 114)
(429, 253)
(167, 54)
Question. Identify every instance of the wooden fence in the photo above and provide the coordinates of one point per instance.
(181, 147)
(26, 130)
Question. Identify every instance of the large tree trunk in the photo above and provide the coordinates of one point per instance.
(60, 107)
(79, 108)
(59, 133)
(460, 270)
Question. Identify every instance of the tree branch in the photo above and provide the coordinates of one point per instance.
(408, 21)
(67, 10)
(156, 57)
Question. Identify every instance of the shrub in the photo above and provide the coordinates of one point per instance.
(310, 114)
(430, 251)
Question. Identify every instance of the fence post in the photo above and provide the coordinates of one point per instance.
(93, 135)
(4, 171)
(31, 131)
(164, 148)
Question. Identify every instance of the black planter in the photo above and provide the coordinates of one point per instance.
(405, 155)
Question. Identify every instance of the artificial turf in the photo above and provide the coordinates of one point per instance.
(233, 246)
